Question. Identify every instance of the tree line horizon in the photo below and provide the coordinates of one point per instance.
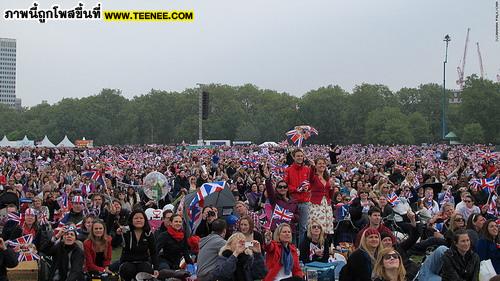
(370, 114)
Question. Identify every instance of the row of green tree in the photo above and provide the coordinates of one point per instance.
(370, 114)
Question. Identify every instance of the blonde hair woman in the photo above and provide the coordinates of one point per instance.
(360, 264)
(315, 246)
(389, 266)
(240, 260)
(282, 258)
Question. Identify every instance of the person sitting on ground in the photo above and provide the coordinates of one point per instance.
(7, 260)
(375, 221)
(139, 251)
(172, 245)
(316, 245)
(98, 250)
(389, 266)
(246, 227)
(487, 245)
(360, 263)
(166, 221)
(75, 215)
(208, 215)
(67, 254)
(241, 209)
(460, 262)
(209, 250)
(240, 261)
(474, 225)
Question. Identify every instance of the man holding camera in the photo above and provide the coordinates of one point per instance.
(208, 216)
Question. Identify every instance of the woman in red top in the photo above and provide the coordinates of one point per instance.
(98, 249)
(282, 258)
(321, 196)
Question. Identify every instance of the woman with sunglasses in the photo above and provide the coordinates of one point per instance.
(389, 266)
(467, 208)
(457, 223)
(360, 264)
(280, 196)
(488, 246)
(316, 244)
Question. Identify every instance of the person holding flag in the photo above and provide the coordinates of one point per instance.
(28, 226)
(7, 259)
(297, 179)
(68, 257)
(278, 195)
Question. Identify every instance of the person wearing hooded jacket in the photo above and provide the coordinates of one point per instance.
(209, 250)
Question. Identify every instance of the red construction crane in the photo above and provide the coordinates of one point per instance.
(480, 60)
(460, 70)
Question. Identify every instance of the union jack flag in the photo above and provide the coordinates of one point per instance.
(487, 154)
(96, 176)
(492, 206)
(122, 159)
(14, 217)
(42, 218)
(282, 214)
(446, 197)
(26, 249)
(393, 199)
(488, 185)
(304, 186)
(246, 163)
(475, 183)
(301, 133)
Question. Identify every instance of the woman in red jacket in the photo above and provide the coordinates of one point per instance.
(321, 196)
(98, 249)
(282, 258)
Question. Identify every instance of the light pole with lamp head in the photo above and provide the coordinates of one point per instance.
(447, 39)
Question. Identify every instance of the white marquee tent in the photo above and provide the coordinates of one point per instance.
(46, 142)
(25, 142)
(65, 143)
(6, 142)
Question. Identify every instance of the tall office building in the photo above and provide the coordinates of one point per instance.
(8, 73)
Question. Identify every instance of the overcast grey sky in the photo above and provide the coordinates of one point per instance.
(285, 45)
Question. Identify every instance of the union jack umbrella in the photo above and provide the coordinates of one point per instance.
(301, 133)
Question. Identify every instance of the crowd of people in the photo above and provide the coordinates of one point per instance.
(365, 212)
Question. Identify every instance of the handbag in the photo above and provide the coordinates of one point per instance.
(486, 270)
